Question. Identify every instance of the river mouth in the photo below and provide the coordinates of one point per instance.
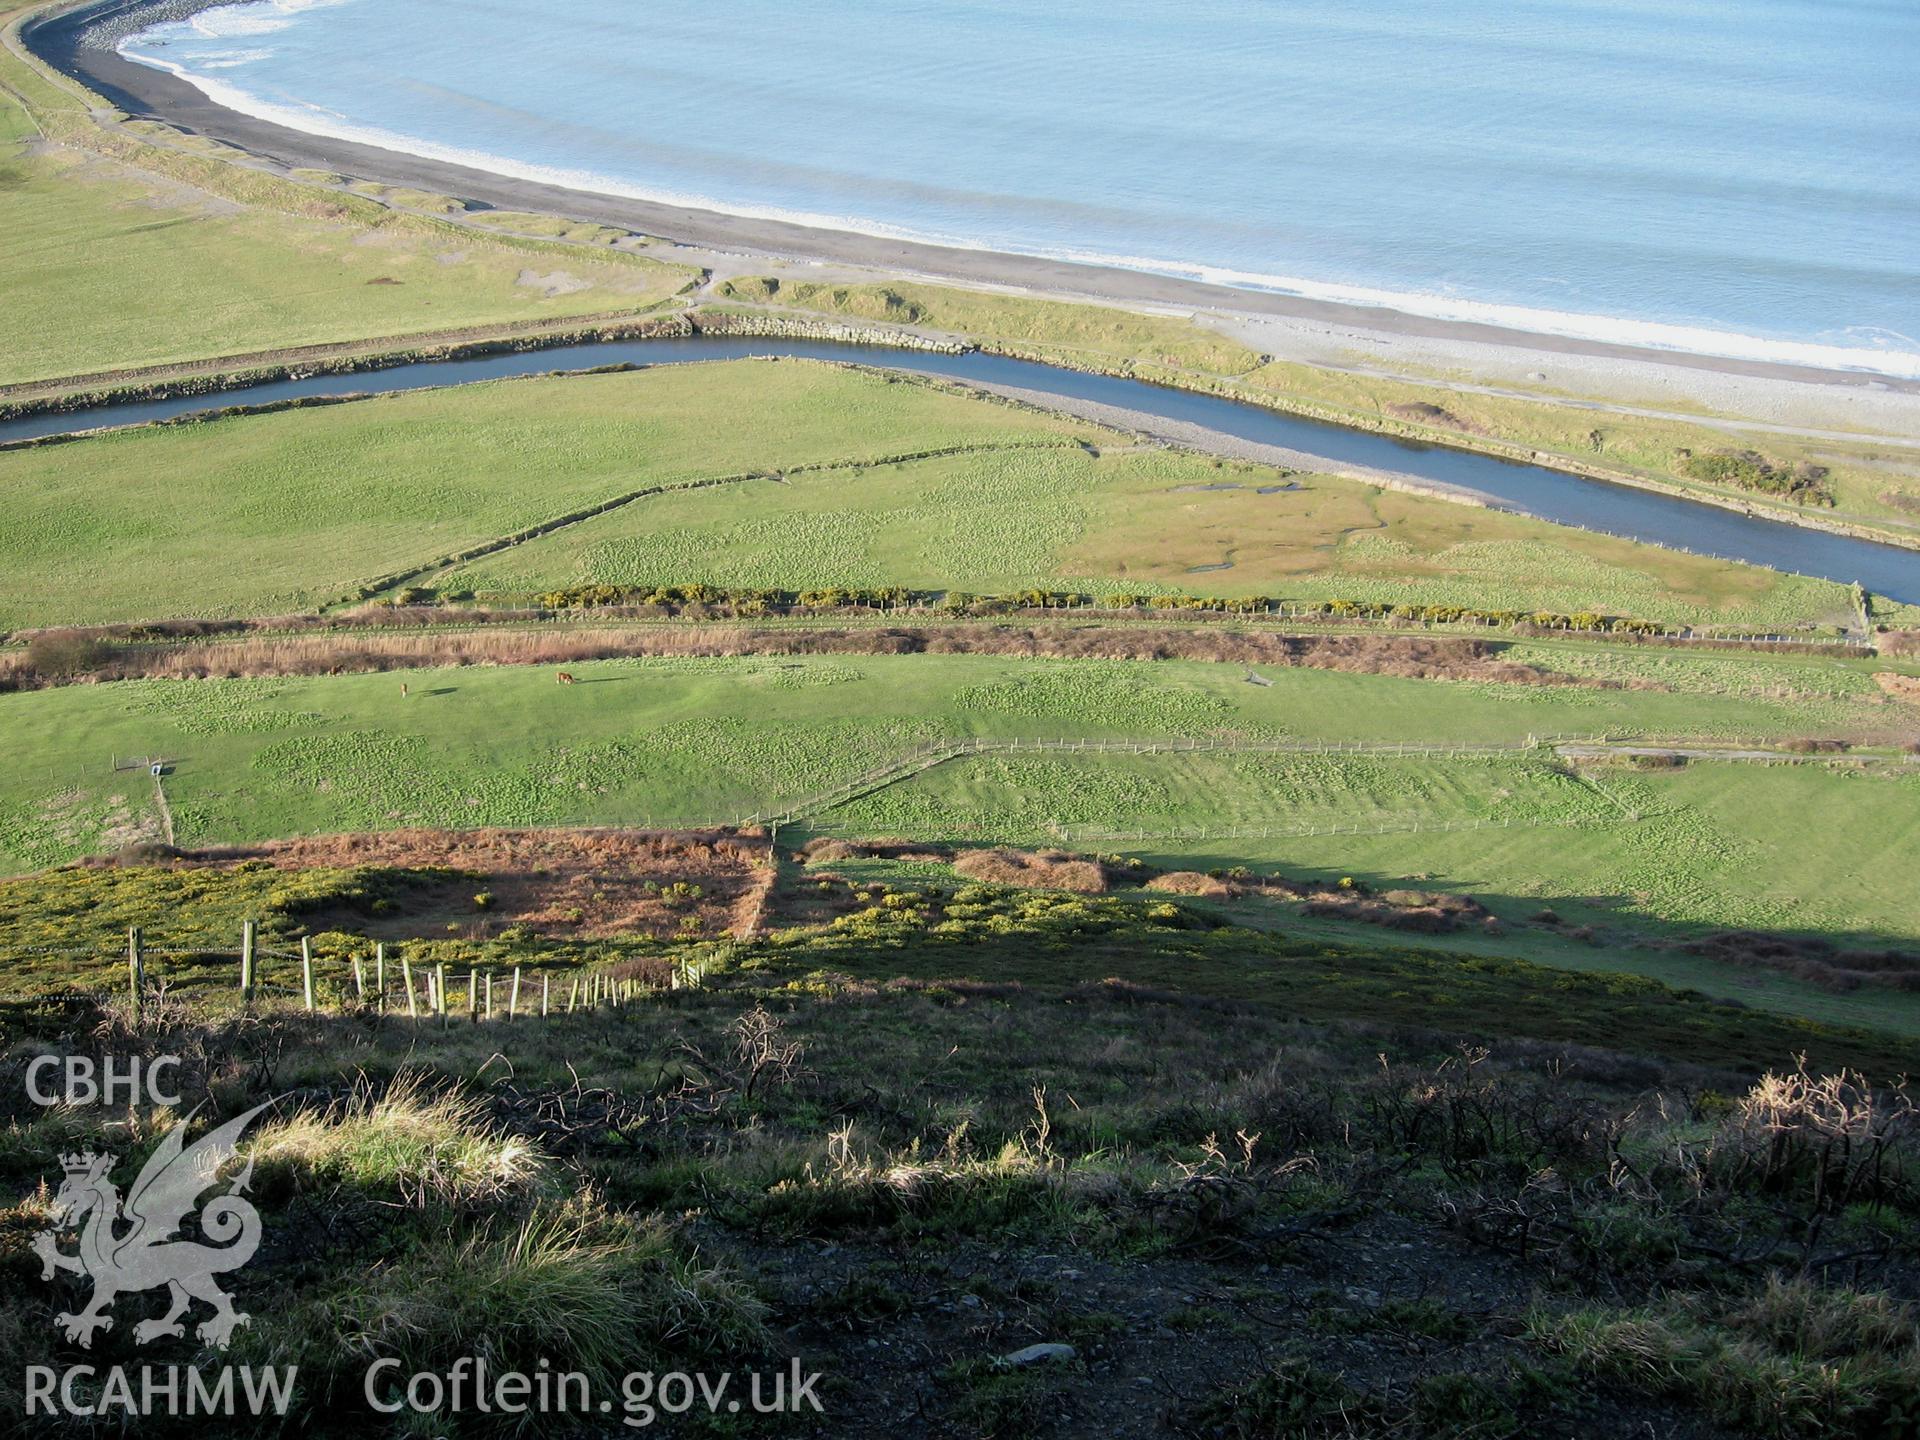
(1535, 490)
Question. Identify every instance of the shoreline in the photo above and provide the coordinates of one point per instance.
(54, 38)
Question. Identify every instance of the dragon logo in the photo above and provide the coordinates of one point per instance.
(129, 1246)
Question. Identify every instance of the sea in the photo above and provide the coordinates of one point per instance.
(1732, 177)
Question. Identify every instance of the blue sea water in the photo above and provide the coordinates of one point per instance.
(1739, 177)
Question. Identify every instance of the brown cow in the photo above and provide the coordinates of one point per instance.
(565, 678)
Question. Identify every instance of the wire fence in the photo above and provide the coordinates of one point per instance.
(361, 981)
(1416, 826)
(938, 752)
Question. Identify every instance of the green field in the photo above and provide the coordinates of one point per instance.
(1803, 849)
(149, 523)
(120, 255)
(1128, 518)
(1716, 845)
(1869, 482)
(1489, 1081)
(314, 503)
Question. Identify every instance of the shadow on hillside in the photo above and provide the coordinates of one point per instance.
(1582, 930)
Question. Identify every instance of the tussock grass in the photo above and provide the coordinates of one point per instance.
(572, 1287)
(428, 1147)
(28, 1148)
(1794, 1359)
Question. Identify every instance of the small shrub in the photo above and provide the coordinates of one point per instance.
(63, 654)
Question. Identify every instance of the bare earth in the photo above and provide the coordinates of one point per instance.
(580, 884)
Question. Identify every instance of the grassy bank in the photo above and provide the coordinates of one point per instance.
(1858, 480)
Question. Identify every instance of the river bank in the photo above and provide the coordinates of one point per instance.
(1186, 417)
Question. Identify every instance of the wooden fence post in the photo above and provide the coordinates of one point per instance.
(306, 972)
(136, 976)
(406, 979)
(246, 962)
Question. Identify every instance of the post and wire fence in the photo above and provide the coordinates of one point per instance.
(363, 981)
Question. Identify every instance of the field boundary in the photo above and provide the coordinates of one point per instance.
(370, 588)
(923, 758)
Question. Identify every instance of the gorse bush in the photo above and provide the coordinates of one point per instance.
(749, 601)
(58, 654)
(1750, 470)
(1826, 1141)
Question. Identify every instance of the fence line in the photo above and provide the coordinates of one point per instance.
(1294, 832)
(938, 752)
(340, 983)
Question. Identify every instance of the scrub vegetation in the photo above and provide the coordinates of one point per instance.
(1293, 1184)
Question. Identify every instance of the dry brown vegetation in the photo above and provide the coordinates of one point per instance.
(1411, 657)
(1034, 870)
(1900, 687)
(1410, 910)
(1423, 413)
(1819, 962)
(823, 850)
(1192, 882)
(582, 883)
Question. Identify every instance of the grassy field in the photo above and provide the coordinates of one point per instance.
(1868, 481)
(1131, 519)
(1270, 1151)
(120, 254)
(1717, 845)
(145, 524)
(1802, 850)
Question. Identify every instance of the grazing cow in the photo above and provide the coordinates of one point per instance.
(336, 669)
(565, 678)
